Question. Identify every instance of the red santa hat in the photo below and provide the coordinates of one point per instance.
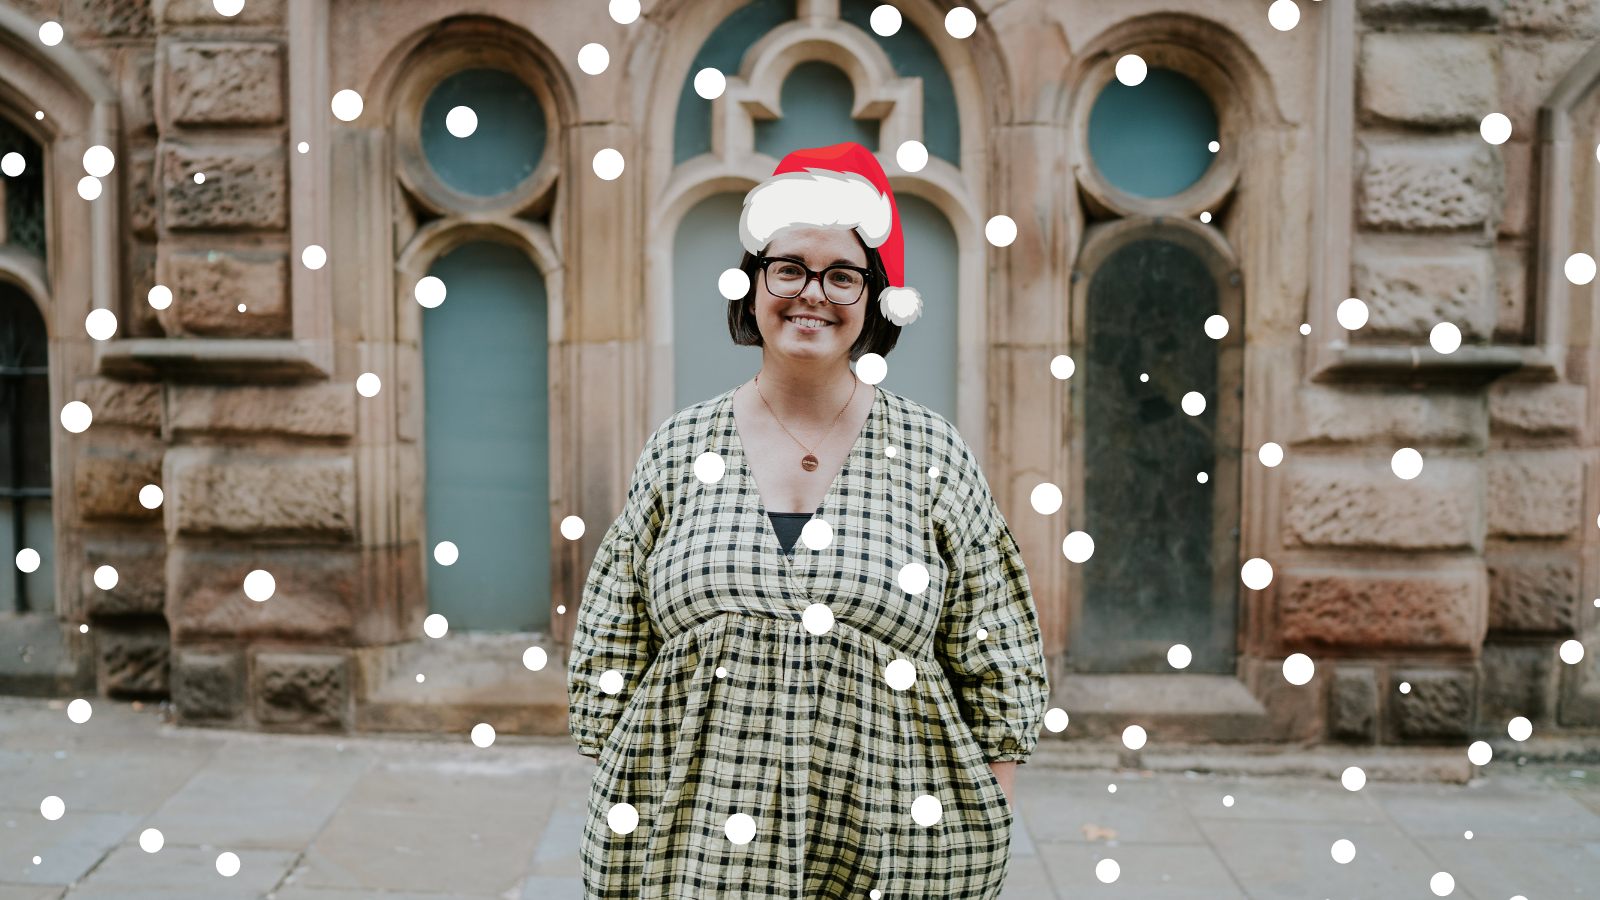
(841, 186)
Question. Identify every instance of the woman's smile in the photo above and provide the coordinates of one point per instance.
(809, 324)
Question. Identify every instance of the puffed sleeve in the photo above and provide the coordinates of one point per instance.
(614, 631)
(1000, 680)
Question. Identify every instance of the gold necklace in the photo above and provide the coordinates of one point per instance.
(809, 461)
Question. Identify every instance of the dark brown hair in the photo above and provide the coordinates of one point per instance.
(878, 334)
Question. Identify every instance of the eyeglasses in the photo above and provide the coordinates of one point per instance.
(841, 284)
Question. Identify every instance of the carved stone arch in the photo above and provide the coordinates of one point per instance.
(402, 82)
(81, 111)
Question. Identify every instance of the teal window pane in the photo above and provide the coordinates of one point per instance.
(1152, 582)
(485, 361)
(25, 485)
(723, 50)
(816, 103)
(508, 143)
(1152, 140)
(914, 57)
(705, 360)
(922, 365)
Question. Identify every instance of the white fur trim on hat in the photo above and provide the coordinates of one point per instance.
(815, 198)
(900, 305)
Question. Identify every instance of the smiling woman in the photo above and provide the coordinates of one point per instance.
(903, 569)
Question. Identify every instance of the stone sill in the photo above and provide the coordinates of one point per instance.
(212, 359)
(1472, 365)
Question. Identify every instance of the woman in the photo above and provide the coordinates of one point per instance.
(834, 718)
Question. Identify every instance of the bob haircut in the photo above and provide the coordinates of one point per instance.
(878, 334)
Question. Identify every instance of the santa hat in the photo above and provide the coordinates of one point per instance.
(841, 186)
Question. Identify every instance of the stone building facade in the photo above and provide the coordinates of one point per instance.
(1348, 163)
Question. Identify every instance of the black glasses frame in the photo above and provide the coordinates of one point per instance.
(765, 261)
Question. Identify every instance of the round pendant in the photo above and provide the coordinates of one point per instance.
(808, 462)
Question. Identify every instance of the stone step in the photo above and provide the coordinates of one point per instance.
(34, 661)
(1171, 708)
(469, 679)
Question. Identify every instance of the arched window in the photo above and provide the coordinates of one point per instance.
(25, 504)
(485, 360)
(1158, 481)
(706, 360)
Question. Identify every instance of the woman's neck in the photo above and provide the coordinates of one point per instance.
(805, 391)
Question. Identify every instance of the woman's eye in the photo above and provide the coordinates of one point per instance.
(788, 271)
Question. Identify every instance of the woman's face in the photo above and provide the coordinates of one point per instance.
(810, 326)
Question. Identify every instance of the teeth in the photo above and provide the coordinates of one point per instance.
(809, 323)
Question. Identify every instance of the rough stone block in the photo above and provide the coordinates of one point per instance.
(141, 319)
(1511, 307)
(141, 588)
(321, 410)
(1438, 708)
(235, 83)
(107, 483)
(1408, 293)
(1353, 709)
(135, 405)
(1530, 66)
(208, 684)
(1456, 12)
(1436, 79)
(313, 598)
(1579, 18)
(1428, 184)
(207, 289)
(301, 688)
(1535, 494)
(246, 186)
(211, 492)
(1537, 410)
(136, 84)
(1387, 609)
(203, 12)
(133, 661)
(1534, 594)
(1518, 680)
(1351, 415)
(142, 193)
(109, 18)
(1365, 505)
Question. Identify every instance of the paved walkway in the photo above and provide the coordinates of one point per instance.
(326, 818)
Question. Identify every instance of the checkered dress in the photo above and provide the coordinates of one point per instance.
(723, 703)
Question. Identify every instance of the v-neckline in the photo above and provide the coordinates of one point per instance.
(769, 532)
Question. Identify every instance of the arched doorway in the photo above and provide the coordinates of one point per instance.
(485, 359)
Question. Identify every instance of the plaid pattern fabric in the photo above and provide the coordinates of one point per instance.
(802, 732)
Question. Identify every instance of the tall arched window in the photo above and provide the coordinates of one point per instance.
(25, 504)
(1160, 484)
(485, 348)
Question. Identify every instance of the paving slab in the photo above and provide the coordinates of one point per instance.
(183, 871)
(1147, 870)
(67, 848)
(258, 796)
(1493, 869)
(1497, 809)
(1285, 860)
(1058, 806)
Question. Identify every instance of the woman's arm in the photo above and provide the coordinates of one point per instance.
(1005, 772)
